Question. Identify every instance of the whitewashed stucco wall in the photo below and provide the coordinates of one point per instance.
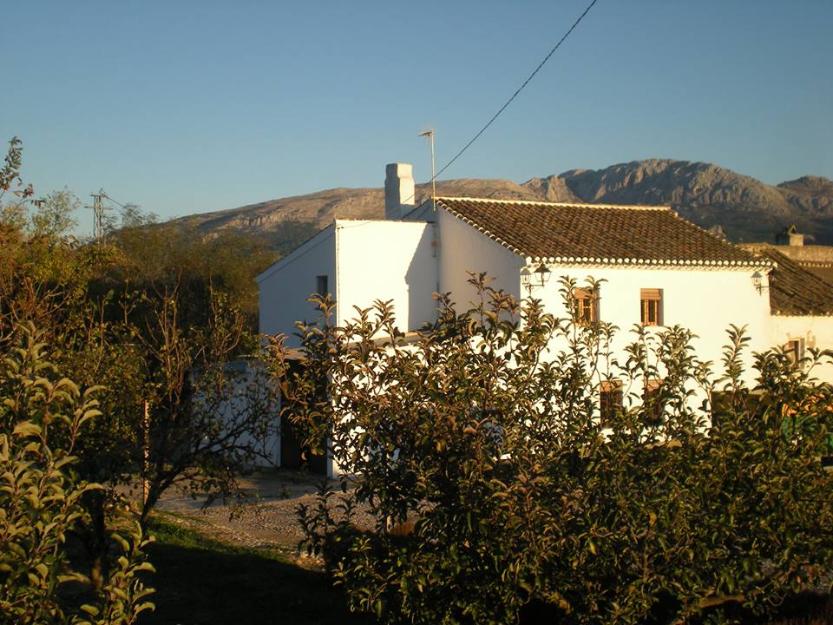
(363, 261)
(817, 331)
(464, 249)
(387, 260)
(285, 287)
(701, 300)
(252, 389)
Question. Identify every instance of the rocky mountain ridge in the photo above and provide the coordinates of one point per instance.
(745, 208)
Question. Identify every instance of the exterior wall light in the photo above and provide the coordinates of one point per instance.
(758, 282)
(535, 277)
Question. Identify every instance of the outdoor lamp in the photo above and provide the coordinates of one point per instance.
(758, 281)
(535, 277)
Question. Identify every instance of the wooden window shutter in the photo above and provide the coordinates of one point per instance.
(611, 398)
(652, 402)
(587, 306)
(650, 304)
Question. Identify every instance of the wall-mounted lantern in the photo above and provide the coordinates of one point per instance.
(758, 282)
(535, 277)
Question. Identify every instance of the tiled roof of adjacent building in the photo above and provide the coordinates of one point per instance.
(596, 233)
(794, 290)
(817, 259)
(822, 270)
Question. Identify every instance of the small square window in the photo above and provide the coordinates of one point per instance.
(652, 402)
(321, 286)
(794, 349)
(651, 307)
(586, 311)
(611, 397)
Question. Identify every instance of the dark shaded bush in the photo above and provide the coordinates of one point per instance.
(485, 431)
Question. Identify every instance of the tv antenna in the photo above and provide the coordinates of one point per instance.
(429, 134)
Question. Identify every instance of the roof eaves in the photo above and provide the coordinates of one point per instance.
(679, 262)
(780, 313)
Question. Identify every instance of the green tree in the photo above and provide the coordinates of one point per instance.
(498, 487)
(210, 416)
(42, 418)
(161, 335)
(54, 214)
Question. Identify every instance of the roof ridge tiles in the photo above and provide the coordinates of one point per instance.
(650, 207)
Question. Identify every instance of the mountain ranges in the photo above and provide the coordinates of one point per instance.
(740, 207)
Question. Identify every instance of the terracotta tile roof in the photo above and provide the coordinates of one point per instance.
(794, 290)
(595, 233)
(822, 270)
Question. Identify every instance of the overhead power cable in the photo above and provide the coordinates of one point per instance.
(517, 91)
(112, 200)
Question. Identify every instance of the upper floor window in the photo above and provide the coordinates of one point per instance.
(611, 397)
(794, 348)
(321, 286)
(586, 310)
(651, 307)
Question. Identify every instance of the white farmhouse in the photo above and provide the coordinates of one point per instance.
(657, 269)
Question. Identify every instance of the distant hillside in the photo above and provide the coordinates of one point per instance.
(747, 209)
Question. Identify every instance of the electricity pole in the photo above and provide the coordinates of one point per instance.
(98, 213)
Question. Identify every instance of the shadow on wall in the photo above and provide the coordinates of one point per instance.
(422, 280)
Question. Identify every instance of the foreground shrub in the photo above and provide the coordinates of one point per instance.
(495, 482)
(42, 418)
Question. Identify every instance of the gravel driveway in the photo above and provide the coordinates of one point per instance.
(269, 521)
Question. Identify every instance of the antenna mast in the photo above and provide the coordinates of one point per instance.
(429, 134)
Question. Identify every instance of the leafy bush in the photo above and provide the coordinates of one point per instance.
(478, 449)
(157, 318)
(42, 417)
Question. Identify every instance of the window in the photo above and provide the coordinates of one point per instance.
(610, 399)
(652, 402)
(794, 348)
(721, 407)
(586, 307)
(321, 286)
(727, 406)
(651, 307)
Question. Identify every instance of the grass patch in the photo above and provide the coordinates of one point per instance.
(201, 581)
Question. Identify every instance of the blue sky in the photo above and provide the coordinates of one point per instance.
(191, 106)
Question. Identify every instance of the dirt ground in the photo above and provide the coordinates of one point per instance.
(270, 520)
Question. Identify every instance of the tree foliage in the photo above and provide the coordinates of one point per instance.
(151, 319)
(153, 315)
(478, 449)
(43, 416)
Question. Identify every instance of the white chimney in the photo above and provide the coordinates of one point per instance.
(400, 196)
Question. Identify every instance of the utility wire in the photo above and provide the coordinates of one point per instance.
(462, 150)
(514, 95)
(112, 200)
